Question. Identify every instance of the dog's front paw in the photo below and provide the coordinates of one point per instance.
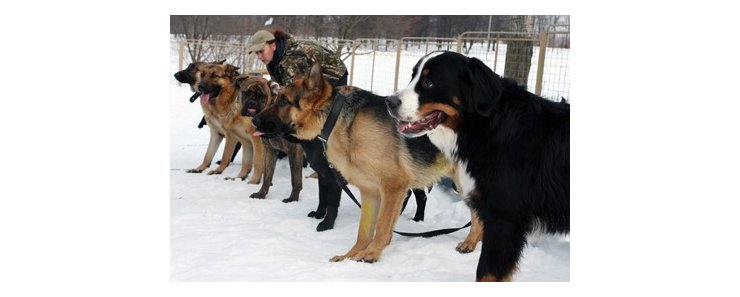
(338, 258)
(289, 200)
(367, 256)
(325, 225)
(195, 170)
(465, 247)
(258, 195)
(215, 171)
(254, 180)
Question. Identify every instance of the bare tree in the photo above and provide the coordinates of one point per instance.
(519, 50)
(194, 27)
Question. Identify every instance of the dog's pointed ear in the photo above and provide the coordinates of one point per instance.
(231, 70)
(315, 81)
(221, 62)
(483, 87)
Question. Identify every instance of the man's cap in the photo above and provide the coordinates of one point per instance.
(259, 40)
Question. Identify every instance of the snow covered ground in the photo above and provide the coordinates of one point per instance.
(218, 233)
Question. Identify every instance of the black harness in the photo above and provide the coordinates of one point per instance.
(331, 120)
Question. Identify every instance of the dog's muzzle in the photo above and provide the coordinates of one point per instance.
(393, 102)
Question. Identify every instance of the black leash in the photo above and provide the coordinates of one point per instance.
(331, 120)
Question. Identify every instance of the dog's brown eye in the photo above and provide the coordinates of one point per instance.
(426, 83)
(283, 101)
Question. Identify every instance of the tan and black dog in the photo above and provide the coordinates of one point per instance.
(365, 147)
(215, 83)
(255, 94)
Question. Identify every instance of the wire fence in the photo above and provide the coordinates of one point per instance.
(541, 61)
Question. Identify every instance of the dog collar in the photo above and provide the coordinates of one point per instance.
(195, 96)
(331, 120)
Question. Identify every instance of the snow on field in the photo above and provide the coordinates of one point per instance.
(218, 233)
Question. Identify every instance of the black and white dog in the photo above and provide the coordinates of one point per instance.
(512, 148)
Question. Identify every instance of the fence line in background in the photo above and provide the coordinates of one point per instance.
(384, 65)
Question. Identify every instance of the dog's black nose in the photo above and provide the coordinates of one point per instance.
(392, 101)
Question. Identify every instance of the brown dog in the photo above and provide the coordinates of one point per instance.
(365, 147)
(255, 94)
(218, 91)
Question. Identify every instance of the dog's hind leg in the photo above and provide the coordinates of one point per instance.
(258, 159)
(246, 167)
(247, 156)
(295, 159)
(329, 196)
(421, 204)
(226, 156)
(474, 236)
(270, 159)
(212, 148)
(369, 216)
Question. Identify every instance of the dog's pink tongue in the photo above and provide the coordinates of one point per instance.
(204, 98)
(257, 133)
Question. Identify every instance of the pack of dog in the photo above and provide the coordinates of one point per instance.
(506, 148)
(214, 82)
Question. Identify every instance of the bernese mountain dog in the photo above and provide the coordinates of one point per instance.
(511, 148)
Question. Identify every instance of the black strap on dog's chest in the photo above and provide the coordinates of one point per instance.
(331, 120)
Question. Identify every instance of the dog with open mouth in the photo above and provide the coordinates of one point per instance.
(218, 98)
(364, 146)
(188, 76)
(511, 149)
(255, 94)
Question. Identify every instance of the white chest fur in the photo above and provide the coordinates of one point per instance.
(446, 140)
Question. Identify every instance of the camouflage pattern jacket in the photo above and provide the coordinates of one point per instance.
(299, 56)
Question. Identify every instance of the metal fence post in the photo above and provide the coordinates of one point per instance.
(180, 56)
(541, 63)
(354, 51)
(398, 63)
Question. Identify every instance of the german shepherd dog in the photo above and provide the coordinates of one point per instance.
(218, 91)
(256, 93)
(366, 149)
(511, 148)
(187, 76)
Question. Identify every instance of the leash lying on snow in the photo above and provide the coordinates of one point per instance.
(331, 120)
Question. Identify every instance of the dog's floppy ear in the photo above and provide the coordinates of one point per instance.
(483, 87)
(315, 81)
(274, 88)
(239, 79)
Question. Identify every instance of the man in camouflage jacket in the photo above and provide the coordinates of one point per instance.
(285, 57)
